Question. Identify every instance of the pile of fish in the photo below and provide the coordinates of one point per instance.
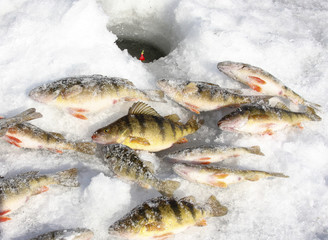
(143, 128)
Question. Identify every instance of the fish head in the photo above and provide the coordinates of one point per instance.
(233, 121)
(45, 93)
(122, 228)
(109, 134)
(231, 69)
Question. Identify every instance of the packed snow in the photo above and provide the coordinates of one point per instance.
(43, 41)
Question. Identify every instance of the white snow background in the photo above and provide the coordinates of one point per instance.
(45, 40)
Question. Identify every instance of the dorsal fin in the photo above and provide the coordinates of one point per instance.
(173, 117)
(282, 106)
(190, 199)
(27, 174)
(142, 108)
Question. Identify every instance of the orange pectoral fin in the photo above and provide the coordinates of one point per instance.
(192, 108)
(182, 140)
(300, 125)
(221, 175)
(152, 227)
(4, 219)
(42, 189)
(254, 86)
(257, 79)
(139, 140)
(16, 140)
(201, 223)
(79, 116)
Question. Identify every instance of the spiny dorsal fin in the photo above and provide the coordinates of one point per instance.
(282, 106)
(190, 199)
(173, 117)
(27, 174)
(142, 108)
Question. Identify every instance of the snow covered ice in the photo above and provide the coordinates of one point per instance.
(43, 41)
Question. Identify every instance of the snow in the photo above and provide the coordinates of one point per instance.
(42, 41)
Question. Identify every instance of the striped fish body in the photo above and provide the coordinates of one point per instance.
(220, 177)
(263, 120)
(87, 94)
(145, 131)
(14, 192)
(203, 96)
(162, 217)
(260, 81)
(26, 135)
(206, 155)
(126, 164)
(67, 234)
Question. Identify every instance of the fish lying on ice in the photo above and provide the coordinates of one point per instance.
(14, 192)
(67, 234)
(212, 154)
(162, 217)
(261, 81)
(202, 96)
(26, 135)
(220, 177)
(27, 115)
(125, 163)
(263, 120)
(144, 129)
(88, 94)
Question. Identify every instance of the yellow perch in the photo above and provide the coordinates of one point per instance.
(126, 164)
(220, 177)
(14, 192)
(264, 120)
(162, 217)
(212, 154)
(88, 94)
(144, 129)
(261, 81)
(67, 234)
(202, 96)
(26, 135)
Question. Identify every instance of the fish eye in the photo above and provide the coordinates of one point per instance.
(106, 130)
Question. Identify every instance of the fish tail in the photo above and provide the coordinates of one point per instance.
(167, 187)
(193, 124)
(278, 175)
(155, 95)
(256, 150)
(85, 147)
(311, 113)
(67, 178)
(216, 208)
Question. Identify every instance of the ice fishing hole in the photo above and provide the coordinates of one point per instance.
(136, 39)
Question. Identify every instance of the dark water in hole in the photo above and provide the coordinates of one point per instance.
(135, 47)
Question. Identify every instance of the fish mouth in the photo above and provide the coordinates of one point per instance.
(101, 140)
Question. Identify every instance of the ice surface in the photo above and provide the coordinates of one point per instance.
(42, 41)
